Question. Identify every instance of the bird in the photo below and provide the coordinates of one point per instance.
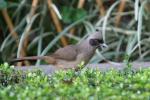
(70, 56)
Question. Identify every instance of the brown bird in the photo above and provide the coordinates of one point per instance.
(72, 55)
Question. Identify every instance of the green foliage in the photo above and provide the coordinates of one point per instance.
(82, 84)
(71, 14)
(8, 75)
(127, 64)
(3, 4)
(81, 65)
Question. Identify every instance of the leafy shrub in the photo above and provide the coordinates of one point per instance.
(8, 75)
(70, 84)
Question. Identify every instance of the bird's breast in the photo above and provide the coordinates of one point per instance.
(82, 56)
(66, 64)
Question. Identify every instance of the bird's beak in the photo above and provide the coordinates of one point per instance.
(103, 45)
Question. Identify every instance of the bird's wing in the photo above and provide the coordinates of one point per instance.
(67, 53)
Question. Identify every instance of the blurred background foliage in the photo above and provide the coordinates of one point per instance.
(39, 27)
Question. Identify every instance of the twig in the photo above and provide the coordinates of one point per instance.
(25, 33)
(9, 23)
(120, 9)
(80, 5)
(101, 7)
(11, 28)
(56, 22)
(25, 44)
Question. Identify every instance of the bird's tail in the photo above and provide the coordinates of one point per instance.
(28, 58)
(48, 59)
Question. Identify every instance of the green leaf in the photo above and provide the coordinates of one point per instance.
(81, 65)
(79, 13)
(70, 14)
(3, 4)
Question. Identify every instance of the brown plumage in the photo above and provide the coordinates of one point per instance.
(70, 56)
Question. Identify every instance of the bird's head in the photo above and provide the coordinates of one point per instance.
(96, 40)
(97, 43)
